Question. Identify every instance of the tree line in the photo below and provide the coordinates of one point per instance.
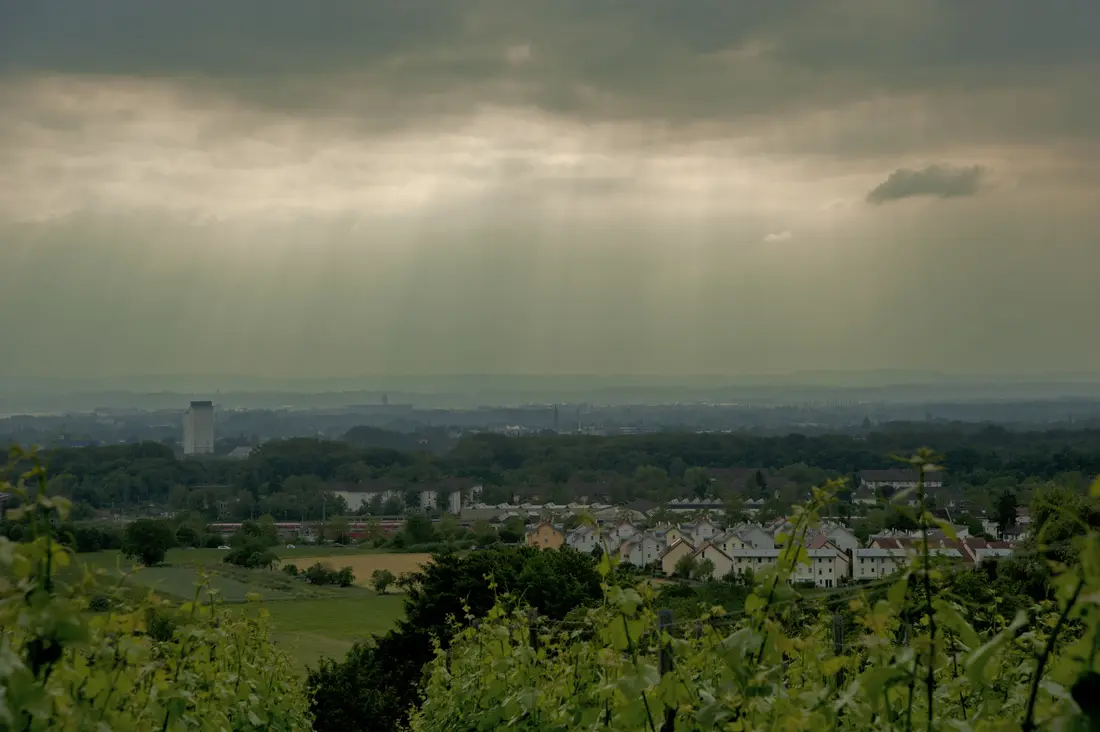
(295, 479)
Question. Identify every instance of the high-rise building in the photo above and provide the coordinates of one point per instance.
(198, 429)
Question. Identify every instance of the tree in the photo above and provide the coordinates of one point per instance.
(381, 579)
(685, 567)
(450, 529)
(698, 480)
(378, 681)
(268, 529)
(338, 530)
(187, 536)
(148, 540)
(1006, 511)
(734, 511)
(759, 485)
(512, 530)
(254, 553)
(483, 533)
(418, 529)
(703, 570)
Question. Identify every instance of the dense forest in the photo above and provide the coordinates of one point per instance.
(295, 478)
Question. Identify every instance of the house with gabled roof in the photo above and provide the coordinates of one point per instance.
(546, 536)
(583, 538)
(641, 550)
(674, 553)
(723, 563)
(700, 531)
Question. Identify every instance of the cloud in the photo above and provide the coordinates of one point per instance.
(537, 184)
(939, 181)
(697, 61)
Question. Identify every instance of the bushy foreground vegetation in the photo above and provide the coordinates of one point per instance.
(77, 653)
(904, 655)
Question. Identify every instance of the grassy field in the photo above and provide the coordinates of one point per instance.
(312, 629)
(310, 622)
(365, 564)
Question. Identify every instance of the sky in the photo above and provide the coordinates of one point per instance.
(340, 187)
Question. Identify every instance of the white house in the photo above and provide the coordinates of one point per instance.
(755, 536)
(641, 550)
(620, 532)
(583, 539)
(701, 531)
(842, 537)
(730, 541)
(429, 500)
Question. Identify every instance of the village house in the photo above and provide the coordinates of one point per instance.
(583, 538)
(674, 534)
(701, 531)
(641, 550)
(620, 532)
(754, 536)
(723, 563)
(546, 536)
(730, 541)
(673, 554)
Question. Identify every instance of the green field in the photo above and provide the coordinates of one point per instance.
(309, 622)
(312, 629)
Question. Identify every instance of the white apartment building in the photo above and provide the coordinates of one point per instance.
(753, 560)
(826, 568)
(869, 564)
(198, 429)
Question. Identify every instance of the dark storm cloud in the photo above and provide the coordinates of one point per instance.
(685, 60)
(936, 181)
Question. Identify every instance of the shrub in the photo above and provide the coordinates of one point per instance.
(381, 579)
(64, 668)
(252, 554)
(344, 578)
(99, 604)
(148, 540)
(291, 569)
(319, 574)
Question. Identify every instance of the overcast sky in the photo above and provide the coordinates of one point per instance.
(347, 187)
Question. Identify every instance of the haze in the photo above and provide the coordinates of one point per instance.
(289, 189)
